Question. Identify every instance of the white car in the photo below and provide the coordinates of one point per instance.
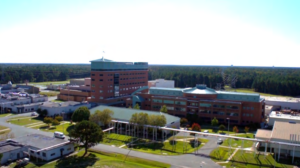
(34, 114)
(205, 131)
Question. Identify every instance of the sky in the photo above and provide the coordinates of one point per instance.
(189, 32)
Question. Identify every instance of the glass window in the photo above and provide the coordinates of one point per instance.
(169, 101)
(205, 105)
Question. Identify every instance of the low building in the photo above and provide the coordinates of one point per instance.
(284, 103)
(202, 102)
(21, 102)
(124, 114)
(36, 145)
(161, 83)
(56, 87)
(54, 108)
(76, 92)
(280, 116)
(286, 132)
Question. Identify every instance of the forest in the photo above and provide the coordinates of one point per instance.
(273, 80)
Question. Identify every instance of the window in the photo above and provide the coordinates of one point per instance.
(168, 101)
(101, 97)
(93, 85)
(100, 74)
(93, 79)
(93, 74)
(205, 105)
(157, 100)
(180, 102)
(52, 154)
(100, 79)
(101, 91)
(69, 149)
(93, 97)
(44, 154)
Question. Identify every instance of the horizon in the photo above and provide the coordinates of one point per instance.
(241, 33)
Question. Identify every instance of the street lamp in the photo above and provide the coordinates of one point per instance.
(63, 114)
(228, 124)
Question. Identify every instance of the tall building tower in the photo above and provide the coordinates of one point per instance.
(112, 82)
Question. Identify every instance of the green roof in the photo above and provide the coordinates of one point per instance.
(125, 114)
(238, 96)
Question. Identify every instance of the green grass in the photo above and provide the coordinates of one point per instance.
(2, 127)
(167, 148)
(236, 142)
(247, 90)
(221, 154)
(65, 128)
(49, 94)
(24, 121)
(49, 82)
(117, 139)
(5, 114)
(101, 159)
(246, 159)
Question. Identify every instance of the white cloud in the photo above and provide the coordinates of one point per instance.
(157, 34)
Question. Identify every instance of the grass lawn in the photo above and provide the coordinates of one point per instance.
(167, 148)
(6, 114)
(236, 142)
(24, 121)
(247, 90)
(66, 128)
(221, 154)
(117, 139)
(49, 82)
(102, 159)
(246, 159)
(2, 127)
(49, 94)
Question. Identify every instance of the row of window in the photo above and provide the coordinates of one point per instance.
(247, 115)
(218, 106)
(122, 74)
(132, 78)
(248, 108)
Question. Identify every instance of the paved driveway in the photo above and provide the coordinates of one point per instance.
(181, 161)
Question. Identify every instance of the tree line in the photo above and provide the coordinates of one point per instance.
(280, 81)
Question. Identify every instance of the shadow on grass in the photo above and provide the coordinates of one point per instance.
(77, 161)
(70, 128)
(195, 143)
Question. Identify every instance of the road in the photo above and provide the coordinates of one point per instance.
(180, 161)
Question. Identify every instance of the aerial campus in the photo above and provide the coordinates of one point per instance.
(116, 117)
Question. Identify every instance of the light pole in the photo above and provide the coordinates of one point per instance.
(63, 114)
(228, 124)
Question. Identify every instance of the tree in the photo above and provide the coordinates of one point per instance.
(44, 113)
(235, 129)
(222, 127)
(164, 109)
(246, 129)
(214, 122)
(136, 106)
(103, 117)
(88, 133)
(59, 118)
(196, 127)
(157, 120)
(80, 114)
(48, 121)
(183, 121)
(55, 122)
(39, 111)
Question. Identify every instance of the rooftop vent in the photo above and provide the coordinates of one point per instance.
(200, 86)
(292, 122)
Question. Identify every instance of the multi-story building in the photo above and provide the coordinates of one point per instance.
(113, 82)
(76, 92)
(161, 83)
(239, 108)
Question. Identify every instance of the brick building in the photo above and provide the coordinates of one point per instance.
(240, 108)
(113, 82)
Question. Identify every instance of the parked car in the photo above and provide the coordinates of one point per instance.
(220, 141)
(205, 131)
(34, 114)
(59, 135)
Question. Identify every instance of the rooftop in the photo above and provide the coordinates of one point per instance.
(280, 115)
(6, 146)
(63, 104)
(284, 130)
(39, 141)
(125, 114)
(265, 134)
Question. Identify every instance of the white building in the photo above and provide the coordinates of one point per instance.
(287, 132)
(40, 146)
(283, 102)
(54, 108)
(279, 116)
(161, 83)
(20, 103)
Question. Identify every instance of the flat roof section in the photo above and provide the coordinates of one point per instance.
(125, 114)
(287, 117)
(264, 134)
(286, 131)
(7, 146)
(39, 141)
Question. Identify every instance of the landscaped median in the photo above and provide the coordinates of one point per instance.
(176, 146)
(25, 120)
(246, 159)
(99, 159)
(239, 143)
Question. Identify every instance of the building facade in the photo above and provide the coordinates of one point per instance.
(113, 82)
(206, 103)
(161, 83)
